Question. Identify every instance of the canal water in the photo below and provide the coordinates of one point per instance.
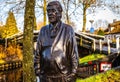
(11, 76)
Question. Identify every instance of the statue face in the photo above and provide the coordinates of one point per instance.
(53, 14)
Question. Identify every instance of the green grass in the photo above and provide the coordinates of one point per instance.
(91, 57)
(108, 76)
(112, 75)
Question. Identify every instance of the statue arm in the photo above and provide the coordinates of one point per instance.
(37, 57)
(73, 52)
(73, 55)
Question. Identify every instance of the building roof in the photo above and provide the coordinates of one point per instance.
(116, 28)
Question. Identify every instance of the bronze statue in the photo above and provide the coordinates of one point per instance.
(56, 55)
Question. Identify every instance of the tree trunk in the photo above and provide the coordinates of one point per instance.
(44, 12)
(84, 20)
(86, 5)
(67, 9)
(68, 21)
(28, 70)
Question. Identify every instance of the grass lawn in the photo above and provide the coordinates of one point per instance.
(108, 76)
(91, 57)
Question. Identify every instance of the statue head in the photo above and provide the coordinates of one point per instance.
(54, 11)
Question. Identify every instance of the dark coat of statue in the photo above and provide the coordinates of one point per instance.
(56, 55)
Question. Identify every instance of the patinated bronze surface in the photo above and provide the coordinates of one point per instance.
(56, 55)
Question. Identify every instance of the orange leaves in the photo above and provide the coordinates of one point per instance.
(39, 25)
(13, 52)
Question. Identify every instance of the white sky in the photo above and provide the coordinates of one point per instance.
(100, 14)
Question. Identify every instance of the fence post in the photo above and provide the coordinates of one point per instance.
(117, 43)
(94, 46)
(108, 43)
(80, 41)
(100, 43)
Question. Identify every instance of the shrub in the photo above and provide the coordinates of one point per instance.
(101, 32)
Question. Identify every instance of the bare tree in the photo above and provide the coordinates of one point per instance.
(44, 12)
(19, 5)
(43, 7)
(69, 7)
(86, 4)
(66, 8)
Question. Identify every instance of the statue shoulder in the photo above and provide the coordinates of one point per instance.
(43, 29)
(68, 27)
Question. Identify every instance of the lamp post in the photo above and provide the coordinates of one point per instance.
(91, 21)
(91, 29)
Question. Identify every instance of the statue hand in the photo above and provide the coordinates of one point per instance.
(37, 72)
(70, 77)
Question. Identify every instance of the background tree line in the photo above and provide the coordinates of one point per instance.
(72, 8)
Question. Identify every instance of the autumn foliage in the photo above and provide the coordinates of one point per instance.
(39, 25)
(12, 53)
(10, 28)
